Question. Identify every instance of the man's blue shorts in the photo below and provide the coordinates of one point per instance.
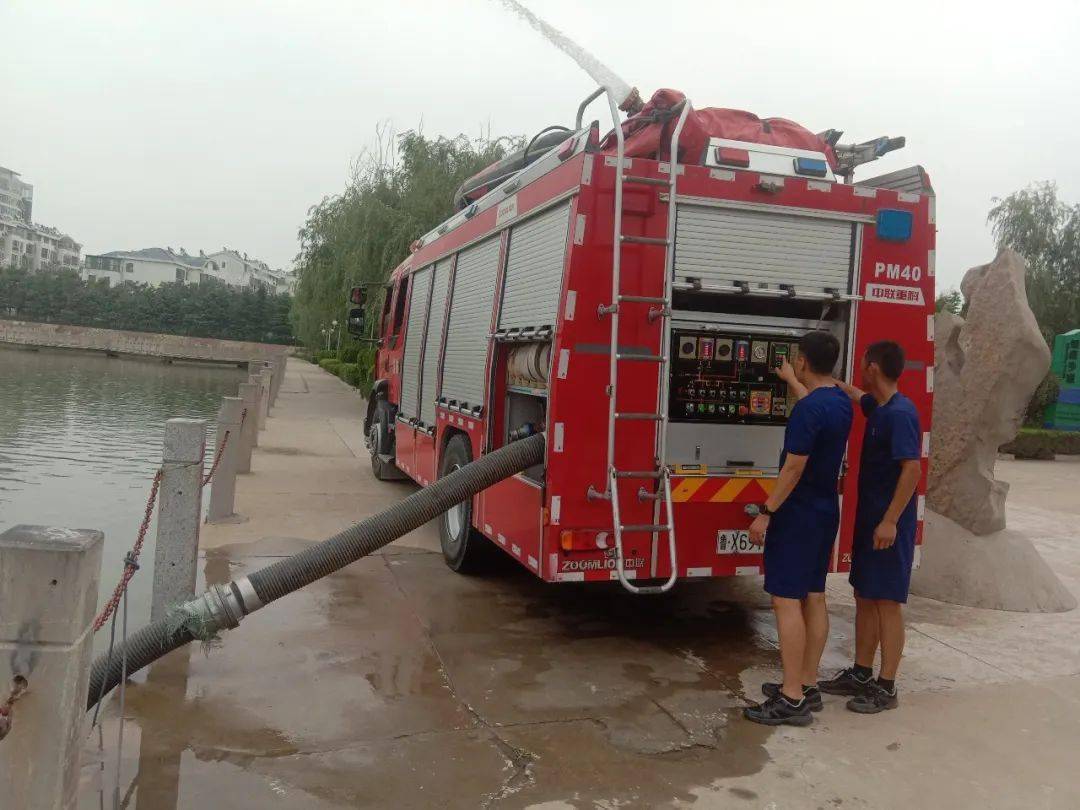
(883, 573)
(798, 545)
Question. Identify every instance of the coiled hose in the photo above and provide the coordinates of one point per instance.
(222, 607)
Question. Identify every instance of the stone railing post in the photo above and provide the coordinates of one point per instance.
(48, 597)
(223, 484)
(249, 393)
(279, 373)
(179, 515)
(264, 411)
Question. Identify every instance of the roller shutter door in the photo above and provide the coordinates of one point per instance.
(414, 341)
(466, 351)
(534, 270)
(433, 344)
(720, 246)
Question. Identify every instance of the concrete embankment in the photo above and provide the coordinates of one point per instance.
(24, 334)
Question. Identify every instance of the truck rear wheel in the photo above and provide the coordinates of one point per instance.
(465, 550)
(380, 443)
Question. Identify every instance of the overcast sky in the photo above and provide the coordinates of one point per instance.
(203, 124)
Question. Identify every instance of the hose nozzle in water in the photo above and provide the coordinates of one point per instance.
(632, 103)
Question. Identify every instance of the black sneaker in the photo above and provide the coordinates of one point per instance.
(779, 711)
(810, 693)
(845, 682)
(875, 699)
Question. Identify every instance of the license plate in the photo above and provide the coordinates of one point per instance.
(735, 541)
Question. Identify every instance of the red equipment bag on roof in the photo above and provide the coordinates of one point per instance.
(648, 132)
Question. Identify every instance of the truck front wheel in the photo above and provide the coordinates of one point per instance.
(464, 549)
(381, 443)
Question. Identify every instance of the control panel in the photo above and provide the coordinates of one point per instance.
(729, 377)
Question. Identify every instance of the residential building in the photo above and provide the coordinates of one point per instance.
(23, 243)
(16, 197)
(156, 266)
(151, 266)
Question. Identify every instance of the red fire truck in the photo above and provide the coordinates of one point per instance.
(630, 295)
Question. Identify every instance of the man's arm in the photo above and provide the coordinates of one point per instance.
(786, 372)
(856, 394)
(789, 476)
(885, 533)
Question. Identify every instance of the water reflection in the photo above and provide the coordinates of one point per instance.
(80, 438)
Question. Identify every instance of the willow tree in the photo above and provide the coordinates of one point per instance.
(396, 193)
(1046, 232)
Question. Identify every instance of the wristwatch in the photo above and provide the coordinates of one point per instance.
(765, 510)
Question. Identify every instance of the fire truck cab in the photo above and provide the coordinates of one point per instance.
(631, 296)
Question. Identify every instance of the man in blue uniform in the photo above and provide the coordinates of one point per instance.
(884, 544)
(798, 525)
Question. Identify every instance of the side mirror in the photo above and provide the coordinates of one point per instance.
(357, 296)
(355, 322)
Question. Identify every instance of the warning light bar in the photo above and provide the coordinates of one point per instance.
(811, 167)
(727, 156)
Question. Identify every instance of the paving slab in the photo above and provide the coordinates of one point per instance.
(397, 683)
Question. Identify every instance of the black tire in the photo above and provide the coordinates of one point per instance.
(465, 550)
(381, 442)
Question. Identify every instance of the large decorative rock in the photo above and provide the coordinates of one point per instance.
(985, 368)
(999, 571)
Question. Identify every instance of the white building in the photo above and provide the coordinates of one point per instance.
(156, 266)
(153, 266)
(24, 244)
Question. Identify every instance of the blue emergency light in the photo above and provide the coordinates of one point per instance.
(894, 225)
(811, 166)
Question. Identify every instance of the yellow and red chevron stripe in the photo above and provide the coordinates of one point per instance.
(721, 490)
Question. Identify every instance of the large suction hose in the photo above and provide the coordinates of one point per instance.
(223, 606)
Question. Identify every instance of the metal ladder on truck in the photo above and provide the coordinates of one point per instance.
(661, 310)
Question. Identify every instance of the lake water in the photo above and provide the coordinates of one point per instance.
(80, 440)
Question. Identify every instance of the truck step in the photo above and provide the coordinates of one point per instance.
(638, 474)
(643, 299)
(645, 240)
(646, 181)
(645, 527)
(656, 417)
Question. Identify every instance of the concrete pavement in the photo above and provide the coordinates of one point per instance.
(396, 683)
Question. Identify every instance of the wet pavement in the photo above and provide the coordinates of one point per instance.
(396, 683)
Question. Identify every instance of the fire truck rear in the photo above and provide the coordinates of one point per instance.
(631, 296)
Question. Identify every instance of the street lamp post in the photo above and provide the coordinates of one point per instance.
(337, 328)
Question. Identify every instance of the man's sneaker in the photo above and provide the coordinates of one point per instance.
(875, 699)
(810, 693)
(846, 682)
(779, 711)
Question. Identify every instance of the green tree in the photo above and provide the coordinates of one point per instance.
(1046, 232)
(204, 310)
(952, 300)
(395, 195)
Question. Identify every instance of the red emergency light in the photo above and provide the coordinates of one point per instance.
(726, 156)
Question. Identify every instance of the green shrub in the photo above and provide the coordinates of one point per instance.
(1045, 396)
(364, 387)
(330, 364)
(348, 354)
(350, 373)
(1035, 443)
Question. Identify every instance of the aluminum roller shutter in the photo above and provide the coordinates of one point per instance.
(433, 344)
(534, 270)
(414, 340)
(465, 356)
(720, 246)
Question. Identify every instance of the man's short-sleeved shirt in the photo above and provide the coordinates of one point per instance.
(892, 435)
(818, 428)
